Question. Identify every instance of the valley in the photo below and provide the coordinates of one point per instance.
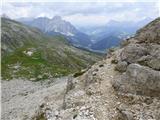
(28, 53)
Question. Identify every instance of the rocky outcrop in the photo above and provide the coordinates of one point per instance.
(95, 98)
(142, 53)
(150, 33)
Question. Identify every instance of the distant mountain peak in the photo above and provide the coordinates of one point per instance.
(57, 17)
(42, 18)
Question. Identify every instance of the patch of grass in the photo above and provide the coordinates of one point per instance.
(77, 74)
(114, 61)
(37, 65)
(40, 117)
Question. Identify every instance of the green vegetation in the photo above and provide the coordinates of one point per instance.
(79, 73)
(28, 53)
(38, 65)
(40, 117)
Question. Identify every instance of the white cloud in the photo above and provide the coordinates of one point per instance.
(15, 12)
(71, 1)
(84, 13)
(87, 20)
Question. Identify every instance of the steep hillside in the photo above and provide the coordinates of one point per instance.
(124, 86)
(15, 35)
(28, 53)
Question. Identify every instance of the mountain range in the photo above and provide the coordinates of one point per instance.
(92, 38)
(58, 26)
(113, 33)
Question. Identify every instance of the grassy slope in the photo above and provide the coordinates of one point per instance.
(51, 57)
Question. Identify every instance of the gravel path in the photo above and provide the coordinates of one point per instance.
(21, 99)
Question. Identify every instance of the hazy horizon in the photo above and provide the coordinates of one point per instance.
(83, 13)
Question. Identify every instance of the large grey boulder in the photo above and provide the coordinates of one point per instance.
(151, 60)
(139, 80)
(154, 50)
(133, 52)
(143, 54)
(154, 63)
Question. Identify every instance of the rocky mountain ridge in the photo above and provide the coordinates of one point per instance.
(56, 26)
(141, 59)
(124, 86)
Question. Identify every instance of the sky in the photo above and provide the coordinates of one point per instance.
(83, 12)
